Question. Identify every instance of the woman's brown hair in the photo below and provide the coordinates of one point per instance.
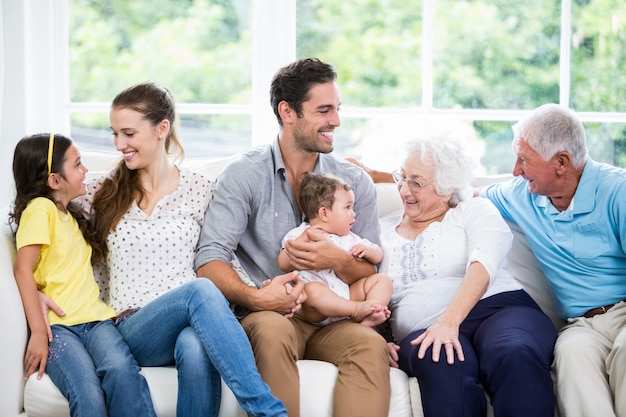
(122, 186)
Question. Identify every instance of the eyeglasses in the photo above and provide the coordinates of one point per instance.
(399, 179)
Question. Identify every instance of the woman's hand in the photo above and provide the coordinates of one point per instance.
(440, 335)
(392, 350)
(445, 331)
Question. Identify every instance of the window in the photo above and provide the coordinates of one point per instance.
(200, 50)
(407, 68)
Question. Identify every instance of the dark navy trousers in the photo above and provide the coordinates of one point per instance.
(507, 342)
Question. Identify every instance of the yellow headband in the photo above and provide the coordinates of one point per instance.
(50, 149)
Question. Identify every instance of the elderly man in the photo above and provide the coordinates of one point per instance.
(573, 213)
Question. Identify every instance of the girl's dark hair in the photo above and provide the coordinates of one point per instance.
(122, 187)
(317, 191)
(293, 83)
(30, 172)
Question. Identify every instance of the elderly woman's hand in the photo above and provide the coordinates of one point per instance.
(440, 335)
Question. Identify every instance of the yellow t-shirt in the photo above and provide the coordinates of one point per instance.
(63, 270)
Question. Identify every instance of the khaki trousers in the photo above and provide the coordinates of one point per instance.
(362, 388)
(590, 365)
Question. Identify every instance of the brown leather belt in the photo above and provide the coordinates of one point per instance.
(598, 310)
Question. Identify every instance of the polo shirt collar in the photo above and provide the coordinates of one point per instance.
(584, 197)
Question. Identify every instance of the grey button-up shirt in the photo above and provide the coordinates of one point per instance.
(253, 207)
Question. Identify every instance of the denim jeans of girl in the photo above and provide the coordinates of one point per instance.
(193, 327)
(93, 368)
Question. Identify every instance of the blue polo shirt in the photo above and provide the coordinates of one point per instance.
(582, 250)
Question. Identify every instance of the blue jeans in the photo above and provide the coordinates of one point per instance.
(94, 369)
(193, 327)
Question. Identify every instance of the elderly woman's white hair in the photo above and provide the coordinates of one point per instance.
(550, 129)
(453, 166)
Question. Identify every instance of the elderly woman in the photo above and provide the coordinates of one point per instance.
(454, 299)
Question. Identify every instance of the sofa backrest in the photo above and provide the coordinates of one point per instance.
(521, 262)
(524, 266)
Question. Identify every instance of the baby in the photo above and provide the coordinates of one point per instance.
(328, 202)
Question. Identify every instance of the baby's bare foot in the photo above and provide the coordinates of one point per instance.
(362, 310)
(378, 316)
(371, 316)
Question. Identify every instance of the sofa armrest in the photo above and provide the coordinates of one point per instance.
(14, 328)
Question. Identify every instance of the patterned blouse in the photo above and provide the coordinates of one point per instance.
(150, 255)
(427, 272)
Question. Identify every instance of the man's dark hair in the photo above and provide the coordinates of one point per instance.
(293, 82)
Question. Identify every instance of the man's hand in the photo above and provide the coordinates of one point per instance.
(283, 294)
(316, 252)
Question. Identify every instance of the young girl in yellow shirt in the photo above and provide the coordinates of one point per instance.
(84, 355)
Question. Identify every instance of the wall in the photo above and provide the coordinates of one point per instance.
(33, 89)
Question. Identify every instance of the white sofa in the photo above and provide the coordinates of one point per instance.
(41, 397)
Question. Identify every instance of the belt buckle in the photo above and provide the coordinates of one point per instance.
(597, 311)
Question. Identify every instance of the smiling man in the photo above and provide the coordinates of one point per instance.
(573, 213)
(254, 206)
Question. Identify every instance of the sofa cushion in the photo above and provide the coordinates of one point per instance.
(43, 399)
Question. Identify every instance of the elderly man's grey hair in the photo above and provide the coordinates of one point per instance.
(453, 166)
(550, 129)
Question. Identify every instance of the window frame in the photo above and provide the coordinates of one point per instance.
(277, 22)
(34, 75)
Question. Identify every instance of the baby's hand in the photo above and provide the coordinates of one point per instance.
(359, 251)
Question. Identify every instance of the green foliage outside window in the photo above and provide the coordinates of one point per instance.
(486, 54)
(199, 49)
